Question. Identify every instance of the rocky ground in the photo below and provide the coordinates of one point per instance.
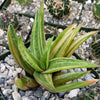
(9, 68)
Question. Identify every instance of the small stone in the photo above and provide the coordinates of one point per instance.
(14, 88)
(14, 73)
(61, 94)
(60, 30)
(73, 93)
(53, 98)
(7, 92)
(2, 80)
(10, 73)
(2, 69)
(38, 93)
(10, 61)
(29, 93)
(46, 94)
(32, 20)
(10, 81)
(18, 70)
(43, 98)
(16, 95)
(22, 93)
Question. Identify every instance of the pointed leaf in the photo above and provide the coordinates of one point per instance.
(58, 64)
(13, 46)
(44, 61)
(38, 38)
(68, 41)
(45, 80)
(60, 40)
(61, 78)
(77, 42)
(27, 56)
(70, 86)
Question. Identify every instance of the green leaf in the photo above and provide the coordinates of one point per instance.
(27, 56)
(38, 38)
(45, 80)
(70, 86)
(24, 83)
(77, 42)
(60, 40)
(58, 64)
(44, 62)
(13, 46)
(67, 40)
(61, 78)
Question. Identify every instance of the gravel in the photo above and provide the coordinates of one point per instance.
(9, 68)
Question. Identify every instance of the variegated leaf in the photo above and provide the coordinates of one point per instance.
(77, 42)
(60, 40)
(62, 49)
(27, 56)
(58, 64)
(45, 80)
(13, 46)
(61, 78)
(70, 86)
(44, 61)
(37, 38)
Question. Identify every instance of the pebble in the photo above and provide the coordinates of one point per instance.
(2, 68)
(46, 94)
(38, 93)
(73, 93)
(6, 92)
(16, 95)
(2, 80)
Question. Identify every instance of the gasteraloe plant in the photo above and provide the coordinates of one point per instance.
(45, 61)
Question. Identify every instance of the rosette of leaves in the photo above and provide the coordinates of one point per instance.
(58, 8)
(96, 9)
(45, 61)
(24, 2)
(7, 18)
(95, 46)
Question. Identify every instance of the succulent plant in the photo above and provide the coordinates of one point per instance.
(7, 18)
(95, 46)
(58, 8)
(45, 61)
(24, 2)
(96, 9)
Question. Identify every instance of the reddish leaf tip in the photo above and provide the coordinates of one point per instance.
(92, 81)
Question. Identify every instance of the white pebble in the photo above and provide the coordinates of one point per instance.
(2, 69)
(73, 93)
(16, 95)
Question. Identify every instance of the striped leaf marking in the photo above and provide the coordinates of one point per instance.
(70, 86)
(77, 42)
(13, 45)
(60, 40)
(67, 42)
(61, 78)
(37, 38)
(45, 80)
(44, 61)
(27, 56)
(58, 64)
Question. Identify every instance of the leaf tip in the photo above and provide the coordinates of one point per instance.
(92, 81)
